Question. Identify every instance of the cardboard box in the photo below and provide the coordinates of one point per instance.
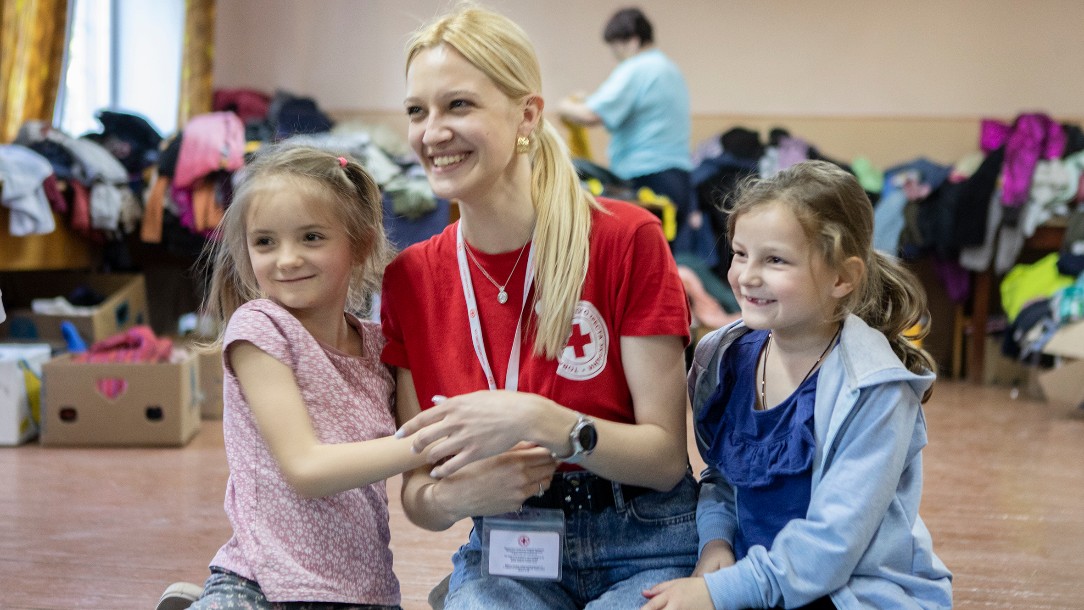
(999, 369)
(209, 362)
(156, 405)
(20, 391)
(1068, 341)
(210, 380)
(125, 304)
(1064, 384)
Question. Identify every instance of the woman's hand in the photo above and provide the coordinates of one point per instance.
(689, 593)
(495, 485)
(475, 426)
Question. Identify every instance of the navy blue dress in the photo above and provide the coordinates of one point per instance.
(766, 455)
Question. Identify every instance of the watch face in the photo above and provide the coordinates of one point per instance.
(588, 437)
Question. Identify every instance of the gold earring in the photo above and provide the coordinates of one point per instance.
(523, 144)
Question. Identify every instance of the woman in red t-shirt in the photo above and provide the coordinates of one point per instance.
(543, 336)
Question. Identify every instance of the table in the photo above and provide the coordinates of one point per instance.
(1047, 238)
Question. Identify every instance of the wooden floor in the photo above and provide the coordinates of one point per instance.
(110, 528)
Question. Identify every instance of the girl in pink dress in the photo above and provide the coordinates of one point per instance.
(308, 420)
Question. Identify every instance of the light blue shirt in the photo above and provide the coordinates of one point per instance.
(644, 104)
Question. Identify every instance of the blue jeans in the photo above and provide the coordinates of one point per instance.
(225, 590)
(610, 557)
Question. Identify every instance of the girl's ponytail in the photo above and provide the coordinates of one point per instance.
(894, 303)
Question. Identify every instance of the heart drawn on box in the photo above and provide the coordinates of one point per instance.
(112, 387)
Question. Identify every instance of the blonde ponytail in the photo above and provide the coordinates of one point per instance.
(562, 231)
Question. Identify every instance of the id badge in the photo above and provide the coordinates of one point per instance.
(525, 544)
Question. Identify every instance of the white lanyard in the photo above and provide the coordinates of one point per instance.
(511, 379)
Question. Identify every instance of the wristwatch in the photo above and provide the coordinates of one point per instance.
(583, 438)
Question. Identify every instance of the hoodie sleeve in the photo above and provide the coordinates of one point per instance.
(716, 516)
(716, 513)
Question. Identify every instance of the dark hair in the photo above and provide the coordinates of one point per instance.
(628, 23)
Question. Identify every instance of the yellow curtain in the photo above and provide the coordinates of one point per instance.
(32, 35)
(197, 87)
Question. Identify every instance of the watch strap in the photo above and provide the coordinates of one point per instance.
(578, 450)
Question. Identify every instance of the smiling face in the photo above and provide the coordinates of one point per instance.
(301, 256)
(463, 128)
(781, 281)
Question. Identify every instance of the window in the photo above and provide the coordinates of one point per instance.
(122, 55)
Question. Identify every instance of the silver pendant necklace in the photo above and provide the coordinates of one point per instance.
(502, 295)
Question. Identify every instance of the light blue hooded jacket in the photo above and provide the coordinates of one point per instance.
(862, 541)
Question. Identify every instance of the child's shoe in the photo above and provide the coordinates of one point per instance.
(178, 596)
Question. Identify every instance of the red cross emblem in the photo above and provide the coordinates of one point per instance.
(578, 340)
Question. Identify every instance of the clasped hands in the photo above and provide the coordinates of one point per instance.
(485, 463)
(463, 429)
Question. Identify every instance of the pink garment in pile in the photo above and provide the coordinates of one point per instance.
(135, 345)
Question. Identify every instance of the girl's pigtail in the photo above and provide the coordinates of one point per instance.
(896, 305)
(372, 245)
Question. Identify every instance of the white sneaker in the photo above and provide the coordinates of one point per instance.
(178, 596)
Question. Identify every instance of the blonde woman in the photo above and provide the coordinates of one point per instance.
(539, 344)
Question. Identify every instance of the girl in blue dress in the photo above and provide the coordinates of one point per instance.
(808, 414)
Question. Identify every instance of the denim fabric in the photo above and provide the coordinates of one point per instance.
(225, 590)
(610, 558)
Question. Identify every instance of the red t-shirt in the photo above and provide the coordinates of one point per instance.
(632, 289)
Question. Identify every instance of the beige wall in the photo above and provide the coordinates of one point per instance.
(884, 80)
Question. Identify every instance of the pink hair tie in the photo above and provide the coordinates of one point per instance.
(342, 161)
